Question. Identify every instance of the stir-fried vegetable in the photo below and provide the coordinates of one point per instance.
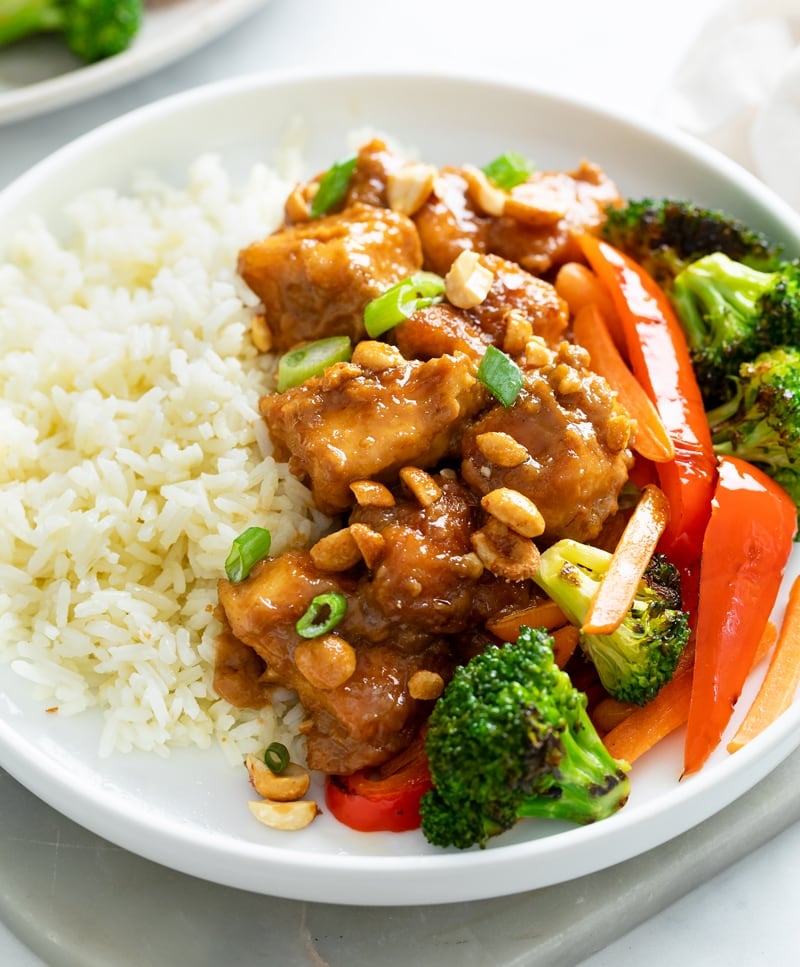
(311, 359)
(747, 544)
(247, 549)
(500, 375)
(332, 187)
(401, 301)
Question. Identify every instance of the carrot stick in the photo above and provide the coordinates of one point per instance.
(669, 710)
(578, 286)
(781, 680)
(546, 614)
(565, 641)
(651, 439)
(630, 558)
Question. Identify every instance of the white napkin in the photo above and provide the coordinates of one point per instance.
(738, 88)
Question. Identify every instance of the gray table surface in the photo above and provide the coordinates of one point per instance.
(71, 898)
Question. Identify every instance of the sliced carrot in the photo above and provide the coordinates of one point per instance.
(630, 558)
(669, 710)
(781, 680)
(609, 713)
(578, 286)
(565, 641)
(546, 614)
(651, 439)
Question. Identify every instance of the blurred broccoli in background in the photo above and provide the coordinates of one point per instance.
(731, 312)
(665, 235)
(92, 29)
(761, 421)
(510, 738)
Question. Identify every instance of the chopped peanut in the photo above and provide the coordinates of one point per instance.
(501, 449)
(376, 356)
(407, 189)
(518, 332)
(336, 552)
(284, 815)
(537, 203)
(425, 686)
(421, 484)
(325, 662)
(370, 493)
(370, 543)
(504, 552)
(468, 282)
(515, 510)
(286, 786)
(537, 353)
(260, 333)
(490, 199)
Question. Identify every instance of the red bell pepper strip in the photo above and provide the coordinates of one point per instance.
(384, 799)
(747, 544)
(660, 360)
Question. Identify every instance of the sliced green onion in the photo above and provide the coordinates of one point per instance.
(322, 616)
(401, 301)
(500, 375)
(247, 549)
(508, 170)
(332, 186)
(276, 757)
(314, 358)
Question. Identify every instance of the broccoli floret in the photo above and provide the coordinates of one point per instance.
(92, 29)
(637, 659)
(665, 235)
(731, 312)
(510, 738)
(761, 421)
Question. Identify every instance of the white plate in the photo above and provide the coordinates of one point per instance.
(40, 73)
(189, 812)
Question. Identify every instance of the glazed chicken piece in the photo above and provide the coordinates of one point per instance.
(422, 569)
(371, 416)
(355, 693)
(449, 223)
(314, 278)
(536, 225)
(545, 215)
(563, 444)
(517, 306)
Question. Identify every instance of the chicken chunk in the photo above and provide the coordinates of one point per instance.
(537, 227)
(515, 295)
(357, 422)
(360, 721)
(567, 445)
(314, 278)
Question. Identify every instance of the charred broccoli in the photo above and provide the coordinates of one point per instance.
(92, 29)
(639, 657)
(510, 738)
(761, 421)
(731, 312)
(665, 235)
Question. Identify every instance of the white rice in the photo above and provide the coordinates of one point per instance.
(132, 453)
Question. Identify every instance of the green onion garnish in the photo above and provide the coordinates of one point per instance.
(276, 757)
(332, 186)
(300, 364)
(500, 375)
(323, 614)
(508, 170)
(401, 301)
(247, 549)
